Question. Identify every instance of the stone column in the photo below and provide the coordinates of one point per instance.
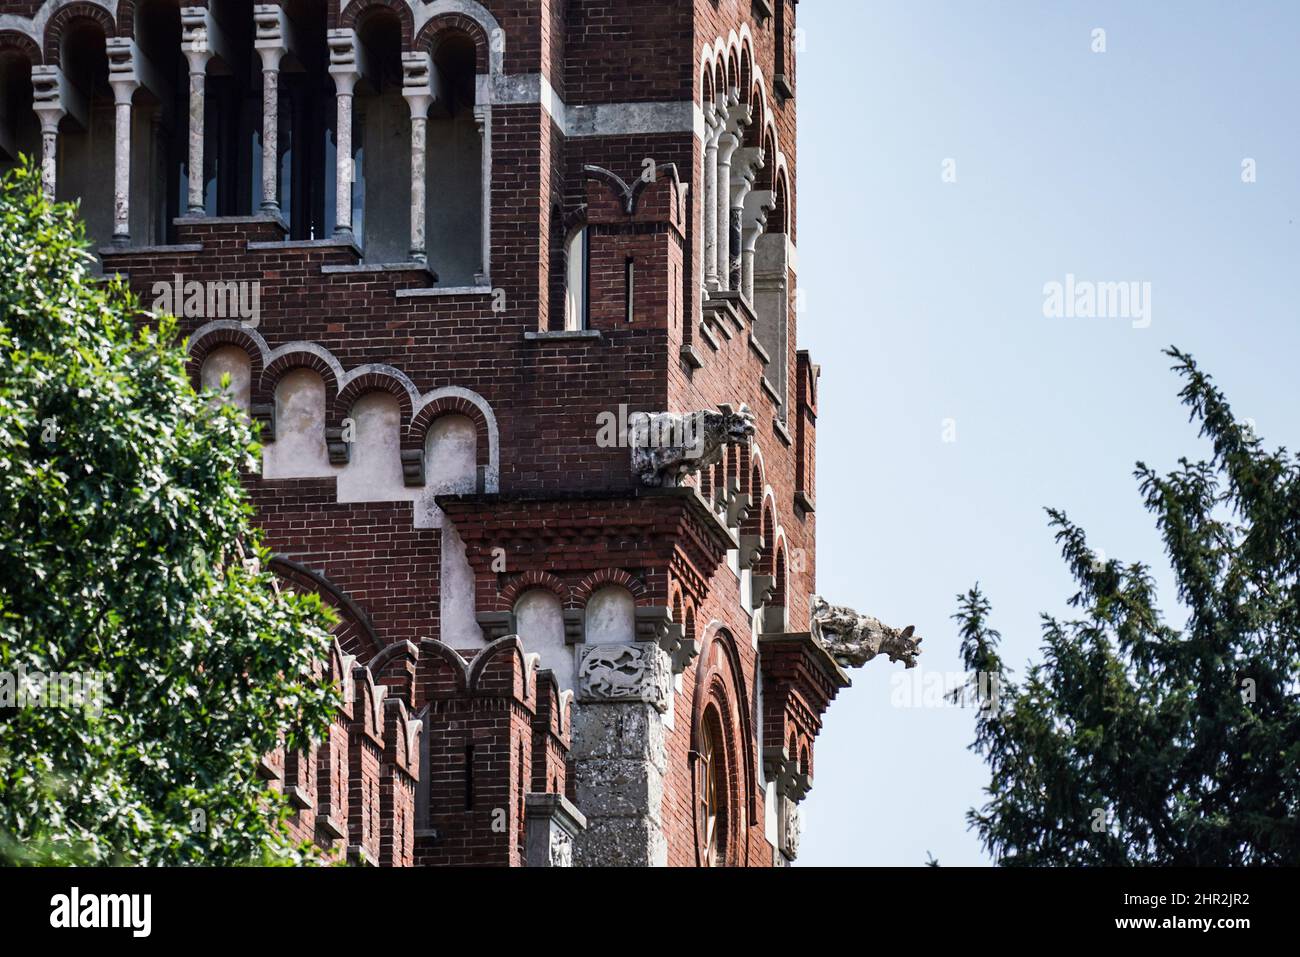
(620, 753)
(124, 80)
(744, 167)
(417, 88)
(713, 130)
(272, 44)
(345, 67)
(728, 143)
(758, 204)
(196, 44)
(48, 101)
(483, 122)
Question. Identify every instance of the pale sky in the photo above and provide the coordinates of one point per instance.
(924, 303)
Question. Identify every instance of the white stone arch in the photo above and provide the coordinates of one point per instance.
(299, 450)
(539, 620)
(492, 478)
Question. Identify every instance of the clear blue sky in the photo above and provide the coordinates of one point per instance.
(924, 302)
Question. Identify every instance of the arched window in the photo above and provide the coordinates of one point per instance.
(454, 167)
(712, 805)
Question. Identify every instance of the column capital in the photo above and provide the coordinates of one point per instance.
(347, 59)
(201, 38)
(420, 84)
(274, 36)
(54, 97)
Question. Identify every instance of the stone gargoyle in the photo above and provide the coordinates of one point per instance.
(668, 445)
(854, 639)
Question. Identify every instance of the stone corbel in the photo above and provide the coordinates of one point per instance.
(738, 507)
(783, 769)
(761, 590)
(751, 549)
(264, 412)
(656, 624)
(413, 467)
(496, 624)
(339, 450)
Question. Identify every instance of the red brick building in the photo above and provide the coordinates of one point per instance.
(446, 251)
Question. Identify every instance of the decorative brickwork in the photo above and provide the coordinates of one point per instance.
(523, 624)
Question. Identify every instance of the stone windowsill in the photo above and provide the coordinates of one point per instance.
(433, 291)
(155, 250)
(563, 335)
(362, 268)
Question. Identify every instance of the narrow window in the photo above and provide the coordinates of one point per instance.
(629, 286)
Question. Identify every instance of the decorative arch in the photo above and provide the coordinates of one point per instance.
(532, 580)
(355, 632)
(443, 26)
(356, 12)
(65, 16)
(15, 42)
(597, 580)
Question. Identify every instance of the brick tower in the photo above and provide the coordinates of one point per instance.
(448, 253)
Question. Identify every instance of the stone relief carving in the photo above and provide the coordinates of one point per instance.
(854, 639)
(791, 828)
(561, 852)
(639, 672)
(668, 445)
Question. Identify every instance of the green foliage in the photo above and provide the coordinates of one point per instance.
(122, 521)
(1137, 743)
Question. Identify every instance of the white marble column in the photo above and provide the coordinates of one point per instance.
(758, 203)
(124, 79)
(196, 44)
(49, 102)
(272, 44)
(483, 122)
(713, 129)
(417, 88)
(727, 145)
(345, 67)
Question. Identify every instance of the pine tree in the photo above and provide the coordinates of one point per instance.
(1135, 742)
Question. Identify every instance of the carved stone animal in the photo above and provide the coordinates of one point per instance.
(668, 445)
(854, 639)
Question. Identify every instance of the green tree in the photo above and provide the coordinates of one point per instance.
(1135, 742)
(123, 534)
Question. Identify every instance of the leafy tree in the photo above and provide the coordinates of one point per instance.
(1135, 742)
(123, 531)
